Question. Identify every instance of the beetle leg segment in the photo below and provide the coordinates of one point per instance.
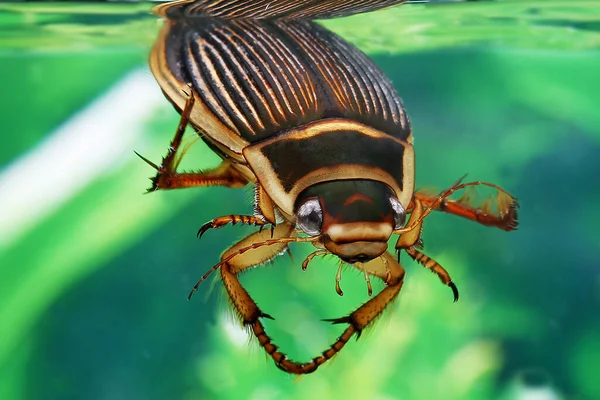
(504, 216)
(411, 238)
(434, 267)
(357, 321)
(244, 255)
(408, 241)
(293, 367)
(235, 261)
(264, 205)
(167, 176)
(231, 219)
(239, 249)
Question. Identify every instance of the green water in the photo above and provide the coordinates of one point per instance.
(94, 275)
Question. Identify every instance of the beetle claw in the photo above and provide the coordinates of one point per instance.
(265, 315)
(342, 320)
(203, 229)
(454, 290)
(150, 163)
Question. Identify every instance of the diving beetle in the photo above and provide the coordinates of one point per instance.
(320, 132)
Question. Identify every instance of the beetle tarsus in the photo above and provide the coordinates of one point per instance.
(434, 267)
(233, 220)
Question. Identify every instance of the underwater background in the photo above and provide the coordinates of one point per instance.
(94, 273)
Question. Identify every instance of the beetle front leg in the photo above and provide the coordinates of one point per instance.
(167, 176)
(434, 267)
(219, 222)
(408, 241)
(243, 303)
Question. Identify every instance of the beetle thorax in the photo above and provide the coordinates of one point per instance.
(330, 150)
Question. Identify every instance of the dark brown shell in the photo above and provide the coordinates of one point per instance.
(259, 78)
(271, 9)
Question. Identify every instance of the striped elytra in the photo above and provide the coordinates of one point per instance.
(271, 9)
(258, 78)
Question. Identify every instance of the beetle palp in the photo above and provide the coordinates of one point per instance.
(368, 279)
(338, 278)
(320, 252)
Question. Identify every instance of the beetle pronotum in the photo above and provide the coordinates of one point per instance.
(320, 132)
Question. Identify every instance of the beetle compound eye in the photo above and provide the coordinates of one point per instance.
(399, 213)
(310, 217)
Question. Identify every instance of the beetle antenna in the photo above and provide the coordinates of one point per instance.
(248, 248)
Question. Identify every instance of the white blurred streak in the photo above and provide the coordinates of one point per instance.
(236, 334)
(536, 393)
(93, 141)
(532, 384)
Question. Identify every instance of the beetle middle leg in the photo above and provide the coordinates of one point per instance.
(504, 217)
(167, 176)
(408, 241)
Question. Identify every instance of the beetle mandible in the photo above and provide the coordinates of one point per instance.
(320, 132)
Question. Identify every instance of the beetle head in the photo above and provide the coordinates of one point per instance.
(354, 217)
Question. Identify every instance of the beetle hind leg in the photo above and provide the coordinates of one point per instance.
(167, 176)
